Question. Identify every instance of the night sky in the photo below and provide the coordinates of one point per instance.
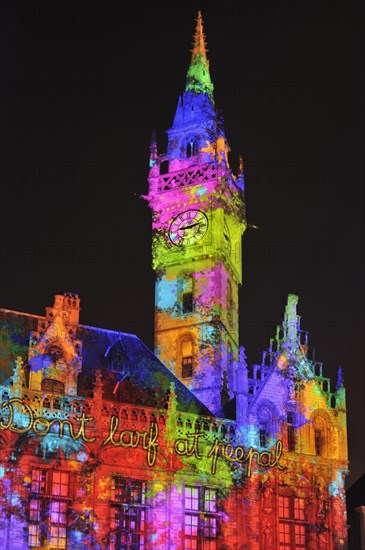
(82, 87)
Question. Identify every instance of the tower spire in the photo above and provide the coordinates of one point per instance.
(198, 76)
(199, 38)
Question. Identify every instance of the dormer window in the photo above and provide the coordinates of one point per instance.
(117, 357)
(55, 353)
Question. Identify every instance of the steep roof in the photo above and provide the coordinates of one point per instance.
(144, 370)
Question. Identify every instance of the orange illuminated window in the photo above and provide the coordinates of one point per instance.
(186, 354)
(60, 482)
(187, 367)
(318, 442)
(292, 523)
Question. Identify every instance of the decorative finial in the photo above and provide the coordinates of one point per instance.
(339, 378)
(199, 44)
(240, 181)
(198, 77)
(242, 358)
(291, 320)
(153, 144)
(240, 164)
(98, 385)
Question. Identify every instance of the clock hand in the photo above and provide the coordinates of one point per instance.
(190, 226)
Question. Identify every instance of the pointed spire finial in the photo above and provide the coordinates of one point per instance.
(240, 164)
(199, 45)
(240, 177)
(339, 383)
(291, 320)
(153, 144)
(198, 76)
(242, 358)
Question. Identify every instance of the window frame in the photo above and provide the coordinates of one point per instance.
(293, 522)
(48, 508)
(128, 509)
(201, 518)
(187, 368)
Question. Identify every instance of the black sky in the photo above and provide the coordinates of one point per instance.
(84, 84)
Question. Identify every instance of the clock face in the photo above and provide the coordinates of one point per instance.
(188, 228)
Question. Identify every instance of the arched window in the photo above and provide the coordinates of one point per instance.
(186, 354)
(318, 441)
(192, 148)
(266, 415)
(320, 434)
(55, 353)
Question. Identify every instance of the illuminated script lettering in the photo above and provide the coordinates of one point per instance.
(18, 417)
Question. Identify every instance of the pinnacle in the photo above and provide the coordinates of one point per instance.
(198, 77)
(199, 44)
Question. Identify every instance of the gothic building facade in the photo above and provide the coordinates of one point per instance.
(107, 445)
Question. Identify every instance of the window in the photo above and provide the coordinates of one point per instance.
(264, 437)
(55, 353)
(266, 415)
(187, 302)
(187, 367)
(48, 509)
(290, 431)
(164, 167)
(292, 523)
(201, 519)
(60, 484)
(39, 481)
(52, 386)
(192, 149)
(318, 442)
(186, 355)
(321, 436)
(185, 292)
(128, 511)
(58, 523)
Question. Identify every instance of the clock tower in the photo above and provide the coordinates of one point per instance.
(198, 214)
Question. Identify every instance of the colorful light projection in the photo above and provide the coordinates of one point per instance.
(104, 446)
(109, 456)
